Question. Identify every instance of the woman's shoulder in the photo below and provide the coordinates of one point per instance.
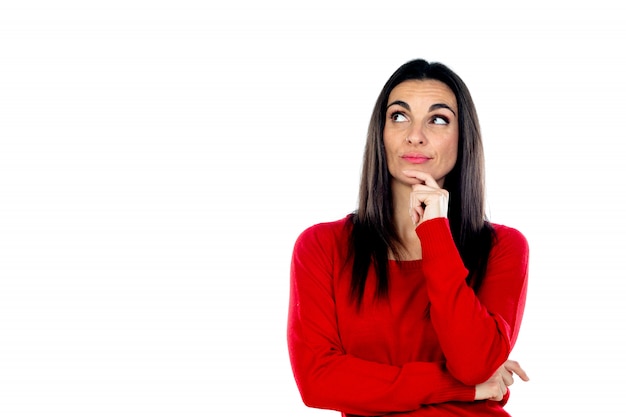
(507, 237)
(327, 229)
(323, 239)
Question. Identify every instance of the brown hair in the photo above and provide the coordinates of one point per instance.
(373, 230)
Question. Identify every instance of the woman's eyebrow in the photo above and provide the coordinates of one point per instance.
(431, 108)
(401, 104)
(441, 106)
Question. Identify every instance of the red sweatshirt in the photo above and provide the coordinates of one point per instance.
(398, 355)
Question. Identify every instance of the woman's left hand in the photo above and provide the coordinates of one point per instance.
(427, 200)
(495, 388)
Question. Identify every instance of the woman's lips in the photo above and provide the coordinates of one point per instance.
(415, 158)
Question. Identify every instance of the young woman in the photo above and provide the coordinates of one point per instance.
(411, 304)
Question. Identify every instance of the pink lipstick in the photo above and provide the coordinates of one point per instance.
(415, 158)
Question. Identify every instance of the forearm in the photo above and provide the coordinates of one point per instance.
(475, 342)
(326, 374)
(476, 332)
(338, 381)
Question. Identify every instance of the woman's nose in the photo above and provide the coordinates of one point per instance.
(416, 136)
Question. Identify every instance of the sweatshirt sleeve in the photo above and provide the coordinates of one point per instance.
(476, 331)
(329, 378)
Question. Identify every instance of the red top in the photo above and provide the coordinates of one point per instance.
(396, 355)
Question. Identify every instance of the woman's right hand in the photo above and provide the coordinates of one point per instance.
(427, 199)
(495, 387)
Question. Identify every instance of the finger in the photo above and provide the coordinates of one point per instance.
(499, 395)
(514, 366)
(522, 374)
(504, 389)
(423, 194)
(507, 377)
(416, 214)
(416, 200)
(424, 177)
(429, 195)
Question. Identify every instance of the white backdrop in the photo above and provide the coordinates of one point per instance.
(158, 160)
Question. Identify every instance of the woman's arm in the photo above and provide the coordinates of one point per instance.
(476, 332)
(326, 375)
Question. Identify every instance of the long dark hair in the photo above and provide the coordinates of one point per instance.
(373, 229)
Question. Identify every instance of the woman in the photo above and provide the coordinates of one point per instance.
(411, 304)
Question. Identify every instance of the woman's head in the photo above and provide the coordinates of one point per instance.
(421, 132)
(374, 231)
(465, 181)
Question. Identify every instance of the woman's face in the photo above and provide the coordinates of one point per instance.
(421, 130)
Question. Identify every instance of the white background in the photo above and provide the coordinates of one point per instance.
(159, 158)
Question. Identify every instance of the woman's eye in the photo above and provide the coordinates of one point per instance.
(440, 120)
(398, 117)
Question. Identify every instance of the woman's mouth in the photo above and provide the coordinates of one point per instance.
(415, 158)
